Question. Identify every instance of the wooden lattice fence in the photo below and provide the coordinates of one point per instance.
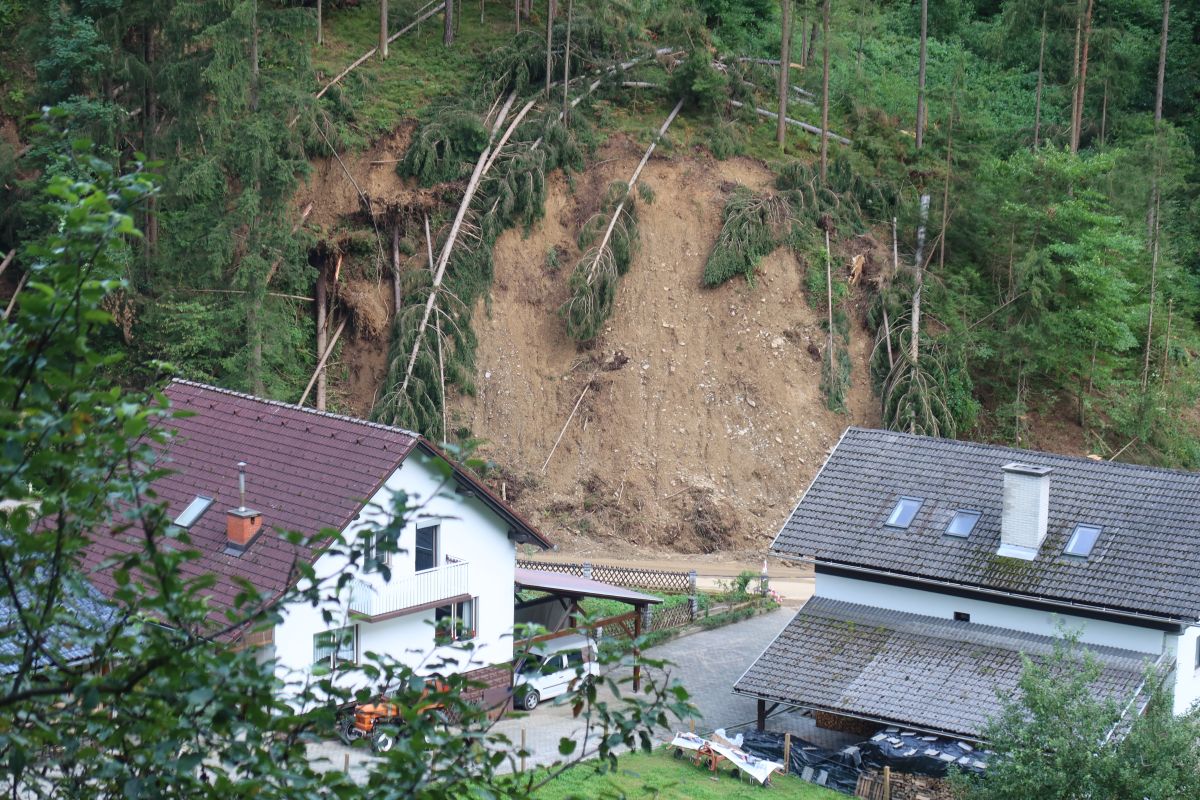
(656, 580)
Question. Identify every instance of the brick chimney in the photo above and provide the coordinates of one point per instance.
(241, 524)
(1026, 513)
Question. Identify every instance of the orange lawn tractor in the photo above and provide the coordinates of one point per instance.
(381, 721)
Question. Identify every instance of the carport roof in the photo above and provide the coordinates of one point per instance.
(897, 667)
(575, 586)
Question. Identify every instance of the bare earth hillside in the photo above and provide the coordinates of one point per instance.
(703, 419)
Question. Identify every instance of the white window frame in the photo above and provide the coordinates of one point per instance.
(437, 546)
(468, 620)
(333, 659)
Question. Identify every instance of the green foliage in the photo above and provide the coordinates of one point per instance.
(846, 199)
(1056, 740)
(608, 239)
(752, 226)
(444, 146)
(702, 87)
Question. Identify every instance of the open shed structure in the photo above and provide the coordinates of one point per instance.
(559, 609)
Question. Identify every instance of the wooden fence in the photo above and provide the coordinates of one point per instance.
(656, 580)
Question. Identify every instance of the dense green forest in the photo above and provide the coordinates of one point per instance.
(1035, 159)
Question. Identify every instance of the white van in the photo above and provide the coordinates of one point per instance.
(554, 670)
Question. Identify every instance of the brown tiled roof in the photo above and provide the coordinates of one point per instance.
(306, 470)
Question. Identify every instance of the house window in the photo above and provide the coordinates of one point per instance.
(902, 515)
(962, 616)
(336, 647)
(374, 556)
(1082, 540)
(1198, 654)
(458, 621)
(962, 523)
(427, 548)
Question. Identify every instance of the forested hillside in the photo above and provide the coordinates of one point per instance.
(997, 239)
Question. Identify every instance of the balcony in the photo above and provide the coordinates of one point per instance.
(424, 590)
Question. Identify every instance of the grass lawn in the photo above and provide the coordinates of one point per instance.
(658, 775)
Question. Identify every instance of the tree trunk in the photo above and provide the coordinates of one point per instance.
(254, 73)
(1075, 70)
(785, 55)
(322, 333)
(383, 29)
(517, 14)
(1081, 91)
(1037, 105)
(825, 92)
(149, 138)
(829, 307)
(804, 39)
(921, 76)
(550, 9)
(448, 24)
(320, 37)
(396, 299)
(566, 112)
(812, 43)
(1162, 62)
(1153, 292)
(1104, 114)
(946, 189)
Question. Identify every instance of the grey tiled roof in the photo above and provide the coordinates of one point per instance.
(896, 667)
(87, 616)
(1147, 559)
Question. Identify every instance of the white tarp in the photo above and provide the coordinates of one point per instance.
(757, 768)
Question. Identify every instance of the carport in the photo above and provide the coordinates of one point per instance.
(559, 609)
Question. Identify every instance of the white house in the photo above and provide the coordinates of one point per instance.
(308, 471)
(938, 563)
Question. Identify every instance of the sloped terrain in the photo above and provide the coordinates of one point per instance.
(702, 419)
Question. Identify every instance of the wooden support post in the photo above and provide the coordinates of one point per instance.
(522, 748)
(887, 783)
(787, 752)
(761, 723)
(637, 634)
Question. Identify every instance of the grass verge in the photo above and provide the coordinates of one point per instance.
(658, 775)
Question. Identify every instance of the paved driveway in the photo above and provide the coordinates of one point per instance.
(708, 663)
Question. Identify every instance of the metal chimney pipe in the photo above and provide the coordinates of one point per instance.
(242, 485)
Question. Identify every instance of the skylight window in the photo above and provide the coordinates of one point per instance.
(962, 523)
(188, 517)
(902, 515)
(1082, 540)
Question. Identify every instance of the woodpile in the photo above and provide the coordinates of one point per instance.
(901, 786)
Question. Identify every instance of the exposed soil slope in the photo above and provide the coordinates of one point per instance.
(703, 420)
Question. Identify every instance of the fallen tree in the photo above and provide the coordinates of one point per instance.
(594, 279)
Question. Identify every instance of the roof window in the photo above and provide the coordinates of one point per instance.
(1082, 540)
(962, 523)
(189, 516)
(902, 515)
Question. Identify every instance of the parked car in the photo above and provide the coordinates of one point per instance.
(554, 671)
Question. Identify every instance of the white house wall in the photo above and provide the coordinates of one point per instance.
(984, 612)
(1187, 675)
(469, 531)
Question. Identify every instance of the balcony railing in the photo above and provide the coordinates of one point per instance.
(414, 592)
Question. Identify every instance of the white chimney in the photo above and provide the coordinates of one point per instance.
(1026, 512)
